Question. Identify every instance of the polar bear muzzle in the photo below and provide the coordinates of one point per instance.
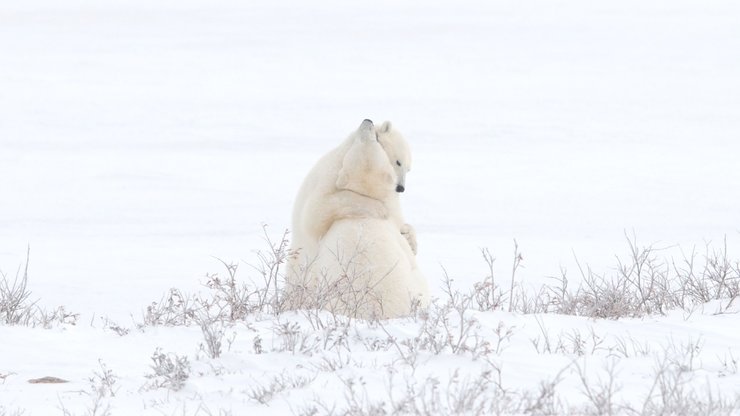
(400, 188)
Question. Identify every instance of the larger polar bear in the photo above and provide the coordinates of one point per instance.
(348, 229)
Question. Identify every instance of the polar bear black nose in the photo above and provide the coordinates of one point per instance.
(400, 188)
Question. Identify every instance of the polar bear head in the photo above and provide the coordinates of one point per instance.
(398, 152)
(366, 167)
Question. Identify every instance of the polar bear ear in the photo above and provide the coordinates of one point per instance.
(345, 172)
(385, 127)
(342, 179)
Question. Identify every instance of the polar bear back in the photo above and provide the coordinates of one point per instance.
(378, 264)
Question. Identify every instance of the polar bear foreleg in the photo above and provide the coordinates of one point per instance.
(410, 234)
(345, 205)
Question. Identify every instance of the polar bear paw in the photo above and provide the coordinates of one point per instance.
(410, 234)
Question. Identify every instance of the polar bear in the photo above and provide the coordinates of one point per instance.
(320, 202)
(399, 155)
(349, 232)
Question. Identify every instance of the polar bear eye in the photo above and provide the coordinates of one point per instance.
(398, 163)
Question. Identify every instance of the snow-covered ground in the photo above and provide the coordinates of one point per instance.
(139, 140)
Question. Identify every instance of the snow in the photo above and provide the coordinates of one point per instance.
(139, 140)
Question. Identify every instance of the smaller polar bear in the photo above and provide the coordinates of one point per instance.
(353, 247)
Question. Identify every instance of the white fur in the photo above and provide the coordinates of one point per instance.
(320, 202)
(374, 258)
(347, 214)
